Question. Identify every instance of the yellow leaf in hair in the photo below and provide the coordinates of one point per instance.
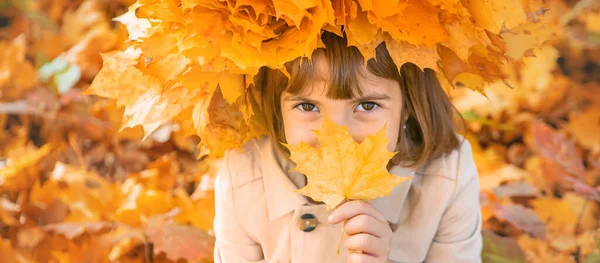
(361, 34)
(174, 60)
(232, 86)
(524, 38)
(289, 9)
(415, 22)
(493, 15)
(342, 169)
(424, 57)
(119, 78)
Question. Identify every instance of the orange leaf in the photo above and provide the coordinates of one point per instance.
(10, 175)
(7, 251)
(585, 127)
(178, 241)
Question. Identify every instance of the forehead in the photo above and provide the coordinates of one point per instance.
(338, 79)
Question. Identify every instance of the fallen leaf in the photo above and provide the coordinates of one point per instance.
(492, 179)
(539, 251)
(522, 218)
(497, 249)
(555, 146)
(17, 74)
(556, 213)
(72, 230)
(179, 241)
(585, 127)
(7, 251)
(515, 189)
(9, 174)
(587, 211)
(30, 237)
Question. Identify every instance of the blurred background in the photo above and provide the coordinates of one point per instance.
(76, 187)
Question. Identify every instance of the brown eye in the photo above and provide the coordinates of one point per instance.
(307, 107)
(366, 106)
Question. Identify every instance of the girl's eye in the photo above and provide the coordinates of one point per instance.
(366, 106)
(307, 107)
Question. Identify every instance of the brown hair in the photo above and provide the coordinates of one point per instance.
(427, 111)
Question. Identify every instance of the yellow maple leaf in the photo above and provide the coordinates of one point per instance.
(342, 169)
(556, 213)
(493, 15)
(17, 74)
(14, 176)
(585, 127)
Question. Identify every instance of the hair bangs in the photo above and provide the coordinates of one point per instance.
(339, 65)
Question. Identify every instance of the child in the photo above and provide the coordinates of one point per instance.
(433, 217)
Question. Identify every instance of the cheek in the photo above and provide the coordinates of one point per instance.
(298, 130)
(360, 131)
(392, 129)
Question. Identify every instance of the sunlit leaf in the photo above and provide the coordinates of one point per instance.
(341, 169)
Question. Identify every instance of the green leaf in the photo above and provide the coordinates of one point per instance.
(470, 115)
(497, 249)
(594, 37)
(496, 259)
(66, 80)
(51, 68)
(63, 75)
(473, 116)
(592, 258)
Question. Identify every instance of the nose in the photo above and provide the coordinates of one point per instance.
(343, 118)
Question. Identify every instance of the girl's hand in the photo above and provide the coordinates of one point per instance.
(369, 236)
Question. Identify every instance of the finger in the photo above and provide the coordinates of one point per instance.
(353, 208)
(365, 224)
(366, 243)
(361, 258)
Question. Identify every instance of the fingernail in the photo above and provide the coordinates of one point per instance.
(330, 218)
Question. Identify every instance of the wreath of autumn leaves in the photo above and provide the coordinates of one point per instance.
(180, 52)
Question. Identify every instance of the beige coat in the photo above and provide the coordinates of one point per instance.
(258, 214)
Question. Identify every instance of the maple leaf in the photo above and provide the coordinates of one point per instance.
(497, 249)
(88, 17)
(515, 189)
(585, 127)
(17, 75)
(179, 241)
(556, 212)
(523, 218)
(558, 148)
(75, 229)
(341, 169)
(13, 176)
(8, 252)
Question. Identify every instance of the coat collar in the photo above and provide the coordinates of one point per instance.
(281, 197)
(280, 192)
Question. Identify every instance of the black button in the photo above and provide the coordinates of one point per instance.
(307, 222)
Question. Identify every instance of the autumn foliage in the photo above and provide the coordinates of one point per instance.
(175, 59)
(103, 104)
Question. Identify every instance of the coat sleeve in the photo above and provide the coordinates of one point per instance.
(458, 238)
(232, 244)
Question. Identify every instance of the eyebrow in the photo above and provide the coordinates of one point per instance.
(300, 98)
(372, 96)
(364, 97)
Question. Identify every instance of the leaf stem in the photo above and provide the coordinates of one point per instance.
(341, 238)
(342, 228)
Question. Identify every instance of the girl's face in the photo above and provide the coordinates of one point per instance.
(379, 104)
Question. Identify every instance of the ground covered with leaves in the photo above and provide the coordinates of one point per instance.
(76, 187)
